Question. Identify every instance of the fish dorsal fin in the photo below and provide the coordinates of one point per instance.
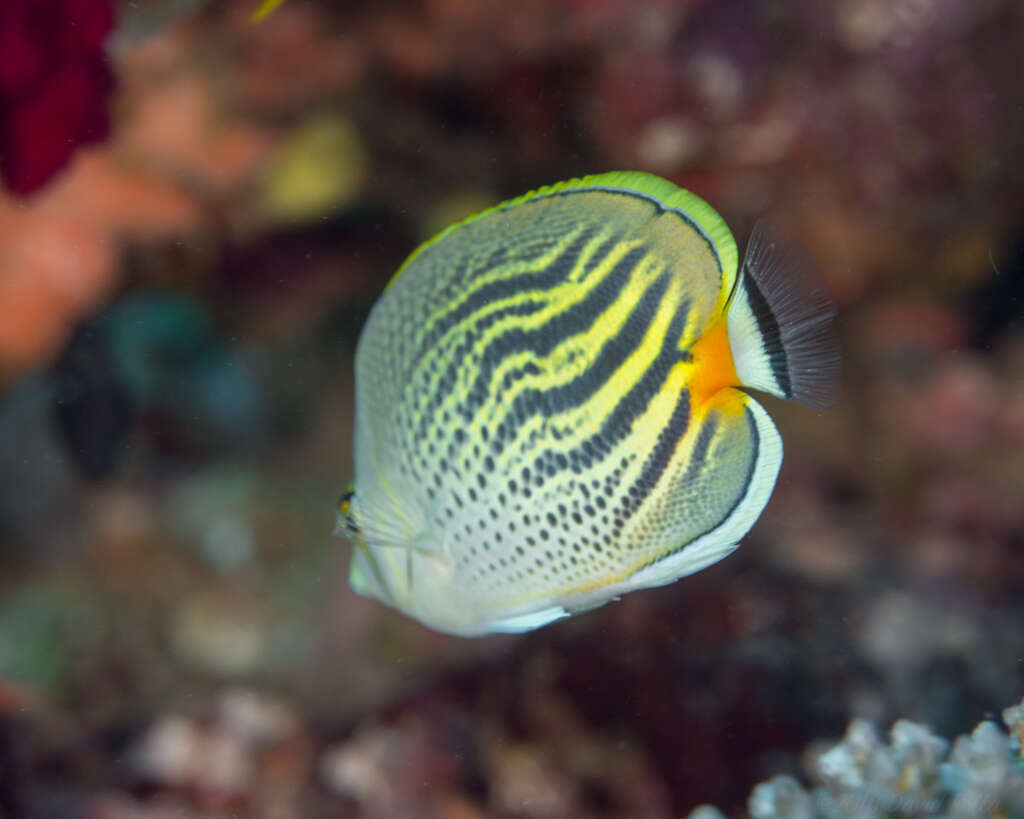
(665, 194)
(781, 329)
(697, 212)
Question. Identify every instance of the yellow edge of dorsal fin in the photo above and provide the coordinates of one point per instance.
(672, 196)
(666, 193)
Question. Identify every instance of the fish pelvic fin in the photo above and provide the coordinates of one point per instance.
(781, 328)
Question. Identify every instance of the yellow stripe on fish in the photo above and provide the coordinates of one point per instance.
(546, 405)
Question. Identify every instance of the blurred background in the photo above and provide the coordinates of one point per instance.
(197, 212)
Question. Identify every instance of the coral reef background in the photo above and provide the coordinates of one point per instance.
(184, 270)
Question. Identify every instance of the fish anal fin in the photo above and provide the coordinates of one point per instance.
(748, 484)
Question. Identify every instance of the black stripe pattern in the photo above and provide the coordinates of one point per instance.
(522, 393)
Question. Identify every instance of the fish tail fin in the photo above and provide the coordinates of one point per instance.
(781, 331)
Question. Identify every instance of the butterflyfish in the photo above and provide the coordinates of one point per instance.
(552, 403)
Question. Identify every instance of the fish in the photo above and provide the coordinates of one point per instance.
(552, 403)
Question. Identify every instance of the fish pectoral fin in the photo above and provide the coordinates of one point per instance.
(364, 575)
(373, 569)
(424, 543)
(432, 548)
(378, 526)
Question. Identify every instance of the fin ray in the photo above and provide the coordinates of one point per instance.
(780, 329)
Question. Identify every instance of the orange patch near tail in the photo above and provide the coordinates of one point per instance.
(713, 366)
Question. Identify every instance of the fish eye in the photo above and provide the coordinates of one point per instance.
(345, 511)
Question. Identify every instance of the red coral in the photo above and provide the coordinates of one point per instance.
(54, 84)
